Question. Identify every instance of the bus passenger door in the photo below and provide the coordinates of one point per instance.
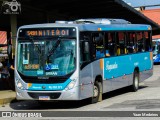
(86, 86)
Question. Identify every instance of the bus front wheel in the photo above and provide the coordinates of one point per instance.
(96, 92)
(135, 85)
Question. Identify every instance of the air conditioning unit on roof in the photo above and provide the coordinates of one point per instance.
(102, 21)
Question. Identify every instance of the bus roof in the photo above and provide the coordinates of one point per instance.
(94, 25)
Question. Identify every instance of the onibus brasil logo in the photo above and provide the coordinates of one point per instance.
(12, 7)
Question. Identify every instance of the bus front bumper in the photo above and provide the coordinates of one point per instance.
(72, 94)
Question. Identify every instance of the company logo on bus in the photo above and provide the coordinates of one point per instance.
(110, 67)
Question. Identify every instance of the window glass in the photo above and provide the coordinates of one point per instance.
(121, 44)
(140, 43)
(98, 40)
(147, 41)
(111, 44)
(46, 57)
(85, 47)
(131, 47)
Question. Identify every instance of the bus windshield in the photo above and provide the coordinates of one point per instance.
(46, 57)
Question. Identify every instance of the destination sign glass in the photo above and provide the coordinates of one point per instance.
(48, 32)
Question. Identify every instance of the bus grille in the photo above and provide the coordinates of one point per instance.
(51, 95)
(33, 79)
(49, 81)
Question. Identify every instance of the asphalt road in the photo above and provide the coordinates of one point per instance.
(147, 98)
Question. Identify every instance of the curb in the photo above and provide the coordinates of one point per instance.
(6, 100)
(7, 96)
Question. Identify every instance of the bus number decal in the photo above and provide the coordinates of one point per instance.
(55, 87)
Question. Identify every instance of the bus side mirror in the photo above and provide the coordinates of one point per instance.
(86, 47)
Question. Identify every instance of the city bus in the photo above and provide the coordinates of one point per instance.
(156, 51)
(76, 60)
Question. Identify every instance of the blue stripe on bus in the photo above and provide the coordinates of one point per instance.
(124, 65)
(54, 87)
(100, 27)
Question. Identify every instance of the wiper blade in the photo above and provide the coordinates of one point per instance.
(54, 48)
(37, 48)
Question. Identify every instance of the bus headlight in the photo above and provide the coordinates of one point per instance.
(19, 84)
(71, 84)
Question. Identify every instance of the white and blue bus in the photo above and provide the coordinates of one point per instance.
(81, 59)
(156, 51)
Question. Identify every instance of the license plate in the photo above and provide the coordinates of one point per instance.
(44, 98)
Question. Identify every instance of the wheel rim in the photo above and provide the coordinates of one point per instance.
(95, 91)
(136, 82)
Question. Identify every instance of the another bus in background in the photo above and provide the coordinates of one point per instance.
(156, 51)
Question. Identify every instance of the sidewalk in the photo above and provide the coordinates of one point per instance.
(6, 96)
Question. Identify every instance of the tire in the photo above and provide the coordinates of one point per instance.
(96, 92)
(135, 85)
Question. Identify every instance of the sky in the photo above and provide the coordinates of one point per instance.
(136, 3)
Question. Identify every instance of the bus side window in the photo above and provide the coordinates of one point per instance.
(111, 44)
(140, 43)
(131, 48)
(98, 41)
(147, 41)
(121, 44)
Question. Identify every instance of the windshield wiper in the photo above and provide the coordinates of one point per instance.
(51, 52)
(37, 48)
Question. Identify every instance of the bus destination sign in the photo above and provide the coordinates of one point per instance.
(51, 32)
(47, 32)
